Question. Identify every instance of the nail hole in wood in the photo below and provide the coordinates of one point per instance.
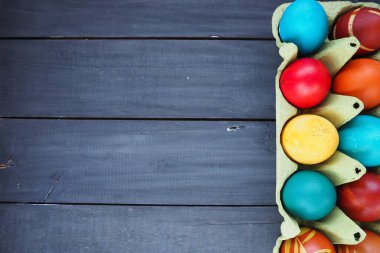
(352, 44)
(235, 128)
(357, 170)
(7, 164)
(356, 105)
(357, 236)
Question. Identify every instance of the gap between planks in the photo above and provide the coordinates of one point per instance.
(116, 204)
(136, 118)
(136, 38)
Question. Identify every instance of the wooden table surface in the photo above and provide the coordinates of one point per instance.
(137, 126)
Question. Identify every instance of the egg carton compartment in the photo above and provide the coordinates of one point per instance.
(338, 109)
(333, 9)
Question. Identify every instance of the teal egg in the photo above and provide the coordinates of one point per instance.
(305, 24)
(308, 195)
(360, 139)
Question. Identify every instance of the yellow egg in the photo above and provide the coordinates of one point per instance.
(309, 139)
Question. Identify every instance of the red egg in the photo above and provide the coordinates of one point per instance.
(305, 83)
(364, 24)
(308, 241)
(360, 199)
(371, 244)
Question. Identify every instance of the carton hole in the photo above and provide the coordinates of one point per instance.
(356, 105)
(352, 44)
(357, 170)
(357, 236)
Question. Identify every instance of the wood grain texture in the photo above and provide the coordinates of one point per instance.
(138, 18)
(138, 78)
(138, 162)
(164, 18)
(98, 229)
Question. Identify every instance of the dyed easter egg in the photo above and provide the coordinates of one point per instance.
(305, 83)
(360, 78)
(309, 139)
(308, 195)
(305, 24)
(308, 241)
(360, 199)
(364, 24)
(371, 244)
(360, 139)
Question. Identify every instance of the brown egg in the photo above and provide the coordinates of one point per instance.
(360, 199)
(364, 24)
(360, 78)
(371, 244)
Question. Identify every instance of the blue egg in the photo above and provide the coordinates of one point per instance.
(305, 24)
(308, 195)
(360, 139)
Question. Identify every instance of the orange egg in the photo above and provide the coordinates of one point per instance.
(308, 241)
(360, 78)
(371, 244)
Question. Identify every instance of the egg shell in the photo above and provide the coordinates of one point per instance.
(360, 139)
(309, 139)
(371, 244)
(308, 241)
(308, 195)
(360, 78)
(360, 200)
(305, 24)
(305, 83)
(364, 24)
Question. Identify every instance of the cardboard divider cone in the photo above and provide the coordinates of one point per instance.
(374, 226)
(341, 169)
(376, 111)
(339, 110)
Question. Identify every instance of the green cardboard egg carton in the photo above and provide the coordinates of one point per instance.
(339, 109)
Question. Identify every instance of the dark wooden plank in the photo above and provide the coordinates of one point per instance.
(138, 78)
(98, 229)
(138, 162)
(136, 18)
(199, 18)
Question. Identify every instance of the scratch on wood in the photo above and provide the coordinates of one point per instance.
(234, 128)
(52, 188)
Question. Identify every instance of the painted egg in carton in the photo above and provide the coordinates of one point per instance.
(338, 109)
